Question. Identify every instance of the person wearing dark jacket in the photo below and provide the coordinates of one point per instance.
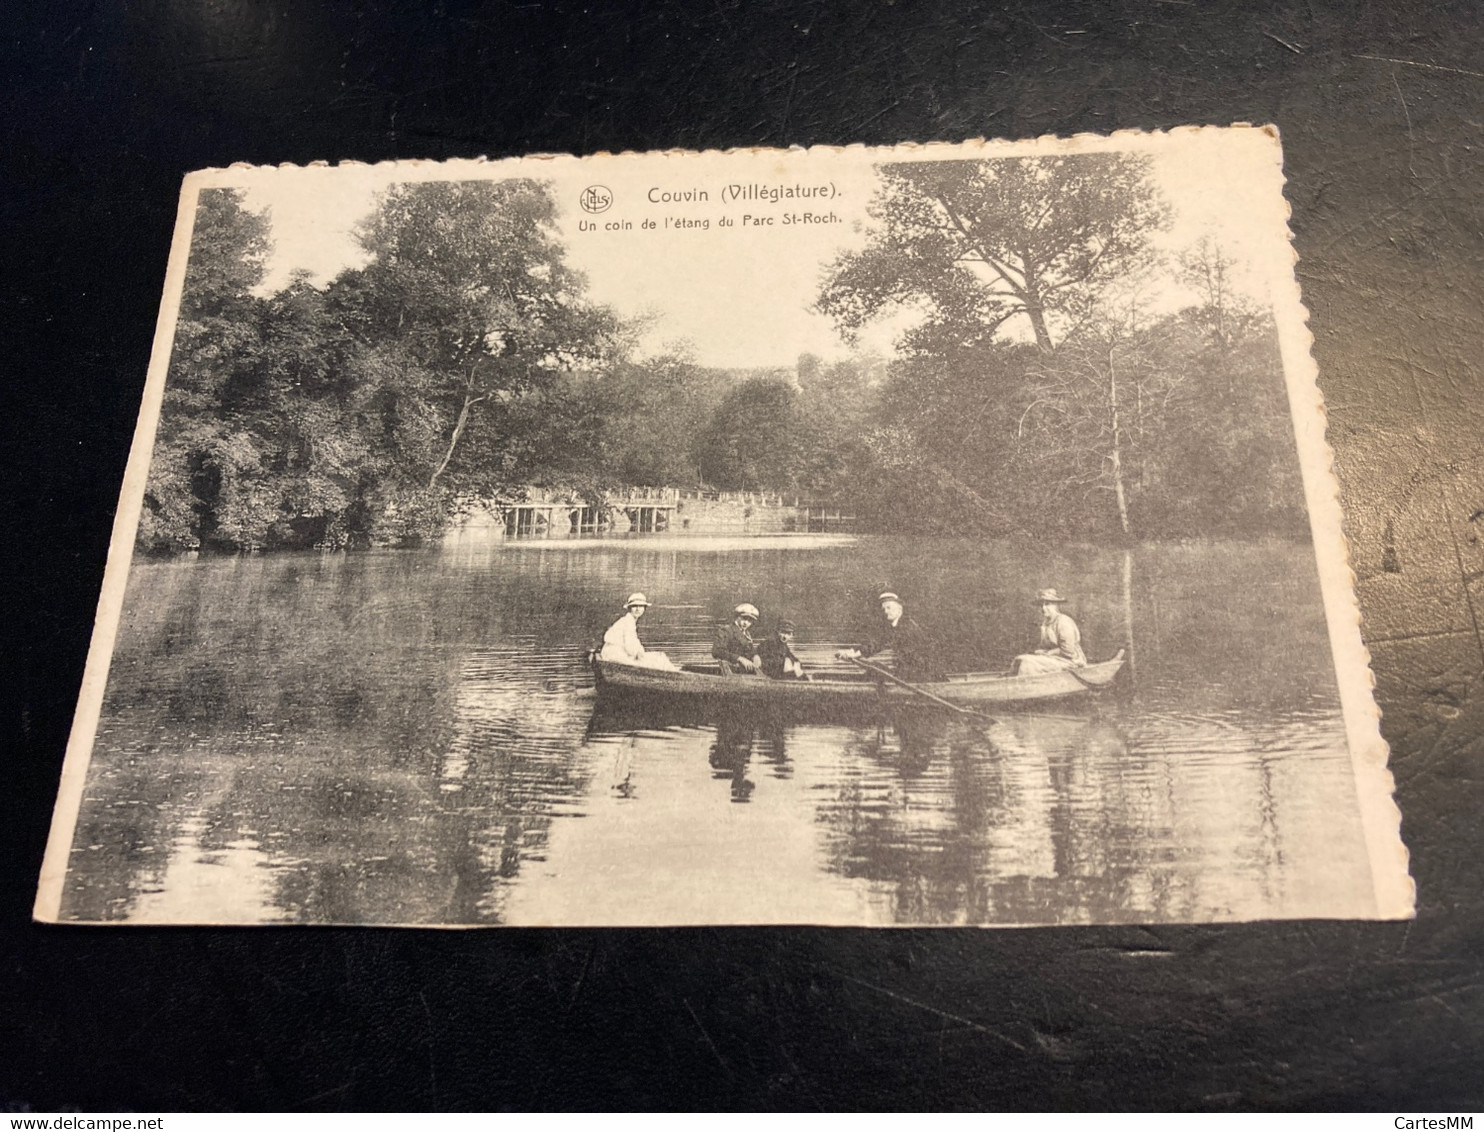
(779, 659)
(735, 649)
(914, 652)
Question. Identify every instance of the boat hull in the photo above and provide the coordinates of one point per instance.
(631, 680)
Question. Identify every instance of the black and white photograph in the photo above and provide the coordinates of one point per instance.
(935, 535)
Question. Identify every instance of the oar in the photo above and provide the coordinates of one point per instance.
(923, 692)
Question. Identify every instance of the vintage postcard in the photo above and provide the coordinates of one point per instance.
(935, 535)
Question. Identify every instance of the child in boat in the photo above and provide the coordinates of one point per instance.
(778, 657)
(621, 642)
(1061, 641)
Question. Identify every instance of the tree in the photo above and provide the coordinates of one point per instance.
(229, 251)
(654, 409)
(974, 244)
(470, 282)
(1208, 271)
(1098, 408)
(216, 325)
(942, 439)
(1111, 420)
(755, 440)
(342, 416)
(1179, 423)
(834, 406)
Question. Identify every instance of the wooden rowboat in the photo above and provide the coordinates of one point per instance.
(706, 682)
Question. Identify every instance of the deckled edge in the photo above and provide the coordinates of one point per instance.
(979, 147)
(1391, 880)
(1392, 885)
(50, 887)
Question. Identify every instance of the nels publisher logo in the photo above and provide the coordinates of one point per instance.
(595, 198)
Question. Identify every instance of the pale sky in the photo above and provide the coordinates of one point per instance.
(740, 294)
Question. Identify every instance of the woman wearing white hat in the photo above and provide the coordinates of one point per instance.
(1061, 641)
(621, 642)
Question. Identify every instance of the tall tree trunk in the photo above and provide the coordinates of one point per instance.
(1038, 323)
(1128, 610)
(453, 441)
(1116, 460)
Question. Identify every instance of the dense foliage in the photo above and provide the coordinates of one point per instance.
(1033, 391)
(353, 414)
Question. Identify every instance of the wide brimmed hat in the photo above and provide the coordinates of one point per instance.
(1048, 595)
(889, 596)
(636, 599)
(747, 610)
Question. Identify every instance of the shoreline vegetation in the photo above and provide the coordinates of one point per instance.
(1035, 393)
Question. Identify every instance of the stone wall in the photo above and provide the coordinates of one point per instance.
(736, 513)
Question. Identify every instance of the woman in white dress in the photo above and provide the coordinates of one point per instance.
(621, 642)
(1060, 644)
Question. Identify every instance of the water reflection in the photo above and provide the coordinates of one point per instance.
(413, 738)
(230, 883)
(731, 751)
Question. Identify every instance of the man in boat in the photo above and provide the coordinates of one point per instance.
(621, 642)
(914, 653)
(1061, 642)
(777, 652)
(735, 650)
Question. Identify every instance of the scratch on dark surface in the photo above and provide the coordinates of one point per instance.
(1297, 50)
(788, 100)
(587, 962)
(327, 1093)
(1410, 354)
(1439, 1000)
(716, 1053)
(148, 1021)
(1031, 21)
(880, 113)
(432, 1069)
(1424, 66)
(969, 1022)
(1406, 114)
(1124, 950)
(1228, 1098)
(1463, 572)
(1419, 635)
(1406, 934)
(1377, 218)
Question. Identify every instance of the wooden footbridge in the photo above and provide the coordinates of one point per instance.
(548, 513)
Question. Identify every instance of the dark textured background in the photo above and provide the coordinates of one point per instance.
(107, 104)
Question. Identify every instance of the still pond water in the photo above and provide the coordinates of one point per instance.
(411, 737)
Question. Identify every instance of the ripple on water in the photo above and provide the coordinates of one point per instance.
(415, 738)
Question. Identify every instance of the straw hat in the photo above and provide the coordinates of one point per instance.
(1049, 595)
(889, 596)
(636, 599)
